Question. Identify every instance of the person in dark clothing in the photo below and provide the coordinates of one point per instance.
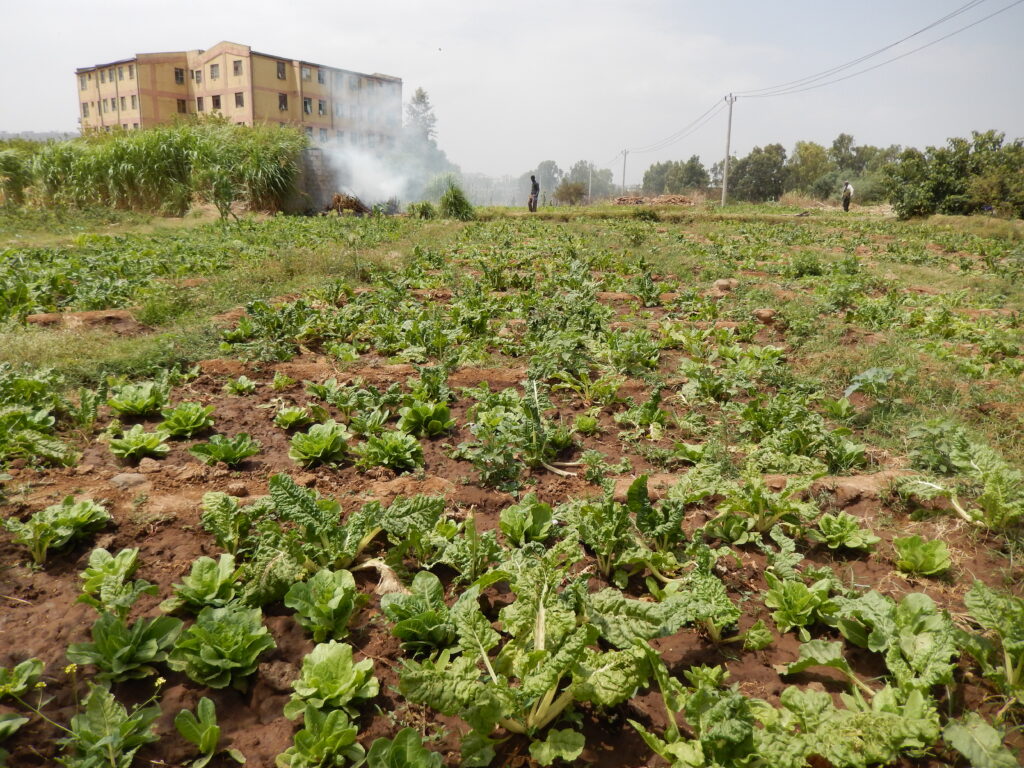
(847, 195)
(534, 194)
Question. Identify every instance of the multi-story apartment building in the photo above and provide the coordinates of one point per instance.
(246, 87)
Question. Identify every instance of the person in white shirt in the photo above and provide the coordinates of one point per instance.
(847, 195)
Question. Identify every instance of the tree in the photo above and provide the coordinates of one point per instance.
(808, 163)
(570, 192)
(685, 176)
(419, 116)
(548, 175)
(597, 181)
(760, 175)
(654, 178)
(841, 152)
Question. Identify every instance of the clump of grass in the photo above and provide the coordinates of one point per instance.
(455, 205)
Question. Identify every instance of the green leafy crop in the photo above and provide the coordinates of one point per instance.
(325, 603)
(105, 734)
(137, 444)
(330, 680)
(796, 605)
(405, 750)
(528, 520)
(426, 419)
(842, 530)
(223, 647)
(421, 619)
(395, 450)
(325, 443)
(187, 419)
(121, 651)
(138, 399)
(57, 525)
(210, 583)
(105, 582)
(230, 451)
(923, 558)
(201, 729)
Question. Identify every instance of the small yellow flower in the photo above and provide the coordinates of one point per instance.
(160, 681)
(70, 669)
(40, 684)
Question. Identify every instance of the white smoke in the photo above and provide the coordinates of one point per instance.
(366, 174)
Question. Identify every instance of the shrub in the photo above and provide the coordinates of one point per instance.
(455, 205)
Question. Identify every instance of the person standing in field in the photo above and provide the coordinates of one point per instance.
(534, 194)
(847, 195)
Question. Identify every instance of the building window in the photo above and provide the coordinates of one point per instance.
(110, 74)
(214, 71)
(339, 135)
(135, 101)
(321, 76)
(182, 107)
(124, 104)
(131, 71)
(309, 131)
(323, 135)
(280, 71)
(179, 76)
(199, 103)
(104, 102)
(321, 107)
(85, 109)
(120, 73)
(307, 106)
(103, 75)
(282, 102)
(81, 82)
(135, 126)
(239, 99)
(197, 75)
(215, 102)
(306, 73)
(236, 67)
(353, 83)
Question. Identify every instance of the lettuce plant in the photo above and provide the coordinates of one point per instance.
(421, 619)
(371, 422)
(210, 583)
(121, 652)
(291, 417)
(916, 556)
(201, 729)
(187, 419)
(325, 603)
(842, 530)
(230, 451)
(330, 680)
(528, 520)
(325, 443)
(138, 399)
(243, 385)
(405, 750)
(137, 444)
(796, 605)
(326, 738)
(57, 525)
(223, 647)
(105, 582)
(398, 451)
(425, 419)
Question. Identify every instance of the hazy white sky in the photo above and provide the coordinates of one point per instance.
(517, 82)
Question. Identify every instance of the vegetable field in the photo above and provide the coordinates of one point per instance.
(624, 490)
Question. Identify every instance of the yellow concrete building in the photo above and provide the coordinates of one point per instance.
(246, 87)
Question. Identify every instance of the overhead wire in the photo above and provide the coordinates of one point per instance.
(787, 91)
(681, 133)
(760, 92)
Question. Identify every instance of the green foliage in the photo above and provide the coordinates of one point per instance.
(423, 210)
(1000, 653)
(916, 556)
(980, 743)
(395, 450)
(223, 647)
(295, 416)
(330, 680)
(325, 603)
(564, 744)
(105, 734)
(57, 526)
(326, 739)
(405, 750)
(243, 385)
(455, 205)
(137, 443)
(226, 520)
(203, 732)
(20, 679)
(144, 399)
(187, 420)
(325, 443)
(105, 582)
(230, 451)
(426, 419)
(842, 530)
(796, 605)
(210, 583)
(121, 652)
(528, 520)
(421, 619)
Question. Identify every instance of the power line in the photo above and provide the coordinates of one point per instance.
(860, 59)
(785, 92)
(681, 133)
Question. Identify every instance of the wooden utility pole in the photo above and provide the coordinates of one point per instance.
(728, 139)
(625, 153)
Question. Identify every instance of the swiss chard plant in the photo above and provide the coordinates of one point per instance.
(107, 584)
(530, 519)
(1000, 650)
(106, 734)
